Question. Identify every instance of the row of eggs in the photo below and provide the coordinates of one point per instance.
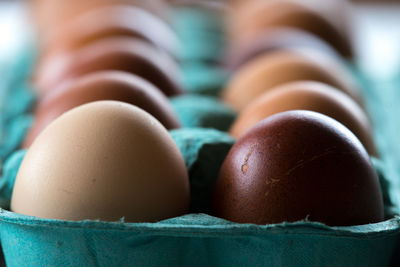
(289, 164)
(107, 160)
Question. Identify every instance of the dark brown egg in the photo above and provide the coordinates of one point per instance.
(120, 53)
(278, 67)
(307, 95)
(275, 39)
(254, 16)
(111, 85)
(112, 21)
(298, 165)
(50, 14)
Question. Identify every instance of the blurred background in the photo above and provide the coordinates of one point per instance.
(374, 27)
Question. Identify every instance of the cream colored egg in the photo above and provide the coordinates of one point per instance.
(105, 160)
(263, 73)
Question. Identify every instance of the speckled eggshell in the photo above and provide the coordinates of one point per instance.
(272, 69)
(307, 95)
(103, 85)
(104, 160)
(298, 165)
(115, 53)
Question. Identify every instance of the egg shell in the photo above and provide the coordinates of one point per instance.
(274, 68)
(109, 21)
(298, 165)
(106, 85)
(337, 12)
(273, 39)
(115, 53)
(308, 95)
(48, 15)
(105, 160)
(255, 16)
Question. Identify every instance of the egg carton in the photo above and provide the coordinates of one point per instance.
(195, 239)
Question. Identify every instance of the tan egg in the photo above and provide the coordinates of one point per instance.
(49, 14)
(338, 68)
(272, 69)
(251, 17)
(111, 21)
(105, 160)
(312, 96)
(115, 53)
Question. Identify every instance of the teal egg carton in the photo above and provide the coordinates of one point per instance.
(193, 240)
(203, 111)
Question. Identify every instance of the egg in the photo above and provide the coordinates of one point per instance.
(337, 12)
(108, 21)
(298, 165)
(254, 16)
(274, 68)
(105, 160)
(103, 85)
(307, 95)
(49, 14)
(115, 53)
(273, 39)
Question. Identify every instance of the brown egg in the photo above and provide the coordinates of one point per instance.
(298, 165)
(274, 68)
(111, 21)
(337, 12)
(120, 53)
(254, 16)
(273, 39)
(104, 160)
(107, 85)
(49, 14)
(307, 95)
